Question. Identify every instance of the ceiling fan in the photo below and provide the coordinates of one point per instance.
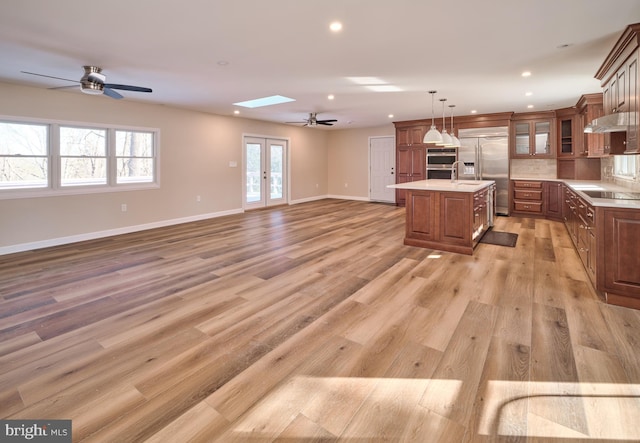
(313, 121)
(94, 82)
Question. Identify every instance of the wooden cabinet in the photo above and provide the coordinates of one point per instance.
(568, 136)
(618, 77)
(481, 211)
(580, 220)
(589, 108)
(533, 135)
(410, 156)
(527, 197)
(410, 135)
(618, 239)
(410, 166)
(446, 220)
(553, 197)
(574, 160)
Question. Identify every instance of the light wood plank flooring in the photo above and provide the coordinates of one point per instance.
(315, 323)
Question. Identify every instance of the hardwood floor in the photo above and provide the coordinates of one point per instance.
(313, 323)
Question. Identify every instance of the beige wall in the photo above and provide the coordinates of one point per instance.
(195, 151)
(349, 160)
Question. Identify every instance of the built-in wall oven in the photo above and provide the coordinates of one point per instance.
(439, 161)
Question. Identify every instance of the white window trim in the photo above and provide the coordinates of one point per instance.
(54, 188)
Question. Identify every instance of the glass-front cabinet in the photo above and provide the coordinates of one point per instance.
(532, 137)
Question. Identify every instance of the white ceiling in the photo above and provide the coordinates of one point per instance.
(471, 52)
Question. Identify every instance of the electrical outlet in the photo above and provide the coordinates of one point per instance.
(197, 198)
(346, 185)
(123, 207)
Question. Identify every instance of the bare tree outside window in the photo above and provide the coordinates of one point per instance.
(83, 156)
(23, 155)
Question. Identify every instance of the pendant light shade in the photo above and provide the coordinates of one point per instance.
(454, 140)
(446, 138)
(432, 136)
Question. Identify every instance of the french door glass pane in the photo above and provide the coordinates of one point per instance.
(254, 174)
(277, 158)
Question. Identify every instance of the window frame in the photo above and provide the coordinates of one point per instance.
(54, 186)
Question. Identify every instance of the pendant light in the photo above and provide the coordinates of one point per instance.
(454, 140)
(433, 136)
(446, 138)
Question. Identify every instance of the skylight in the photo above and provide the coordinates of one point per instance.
(265, 101)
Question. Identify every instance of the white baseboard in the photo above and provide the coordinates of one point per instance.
(348, 197)
(308, 199)
(110, 232)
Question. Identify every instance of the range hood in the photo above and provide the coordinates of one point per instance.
(618, 122)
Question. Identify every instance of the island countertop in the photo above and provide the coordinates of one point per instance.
(444, 185)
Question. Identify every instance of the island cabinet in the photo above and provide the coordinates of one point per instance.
(452, 219)
(618, 239)
(618, 77)
(533, 135)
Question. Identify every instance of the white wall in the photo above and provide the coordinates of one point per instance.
(195, 151)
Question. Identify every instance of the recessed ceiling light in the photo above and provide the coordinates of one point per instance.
(265, 101)
(223, 63)
(528, 94)
(526, 74)
(236, 112)
(529, 106)
(335, 26)
(331, 97)
(390, 115)
(473, 111)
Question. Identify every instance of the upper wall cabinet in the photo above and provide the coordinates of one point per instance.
(618, 76)
(533, 135)
(589, 108)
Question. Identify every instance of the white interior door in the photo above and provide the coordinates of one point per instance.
(382, 166)
(265, 172)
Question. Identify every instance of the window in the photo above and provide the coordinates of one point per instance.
(134, 156)
(40, 158)
(83, 156)
(24, 155)
(625, 166)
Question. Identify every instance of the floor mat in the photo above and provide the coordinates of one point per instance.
(499, 238)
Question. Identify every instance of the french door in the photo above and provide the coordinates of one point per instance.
(265, 172)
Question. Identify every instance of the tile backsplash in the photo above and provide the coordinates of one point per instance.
(533, 168)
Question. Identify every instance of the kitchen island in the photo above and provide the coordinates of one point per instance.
(448, 216)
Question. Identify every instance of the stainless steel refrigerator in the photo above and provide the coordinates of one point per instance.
(485, 154)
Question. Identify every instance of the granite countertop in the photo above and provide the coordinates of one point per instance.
(445, 185)
(579, 186)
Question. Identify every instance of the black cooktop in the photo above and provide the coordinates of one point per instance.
(615, 195)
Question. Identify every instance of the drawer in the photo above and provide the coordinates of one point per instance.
(528, 206)
(527, 184)
(527, 194)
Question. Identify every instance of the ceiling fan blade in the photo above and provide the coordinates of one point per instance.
(64, 87)
(111, 93)
(49, 76)
(324, 123)
(127, 87)
(327, 121)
